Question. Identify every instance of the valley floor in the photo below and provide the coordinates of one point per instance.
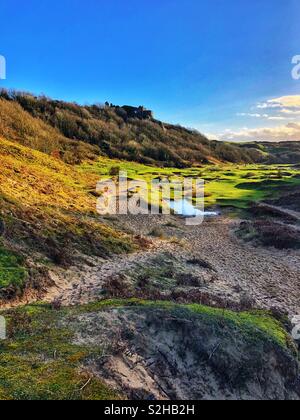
(137, 306)
(153, 348)
(176, 320)
(229, 270)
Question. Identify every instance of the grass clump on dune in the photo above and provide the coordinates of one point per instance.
(42, 357)
(251, 322)
(39, 362)
(29, 378)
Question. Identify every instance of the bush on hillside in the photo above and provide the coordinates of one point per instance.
(111, 130)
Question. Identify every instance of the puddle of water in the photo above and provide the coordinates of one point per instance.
(187, 209)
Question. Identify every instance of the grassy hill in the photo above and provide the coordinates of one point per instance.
(18, 125)
(281, 152)
(49, 210)
(117, 132)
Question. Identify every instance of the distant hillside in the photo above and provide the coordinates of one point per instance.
(75, 132)
(282, 152)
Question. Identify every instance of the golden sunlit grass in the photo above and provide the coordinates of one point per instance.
(51, 206)
(36, 179)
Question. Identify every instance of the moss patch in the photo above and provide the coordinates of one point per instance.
(39, 362)
(30, 378)
(12, 272)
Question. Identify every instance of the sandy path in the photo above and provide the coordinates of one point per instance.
(269, 277)
(84, 284)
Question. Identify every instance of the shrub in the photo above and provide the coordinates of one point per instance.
(269, 233)
(157, 233)
(114, 171)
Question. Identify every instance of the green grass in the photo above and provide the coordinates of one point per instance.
(12, 272)
(225, 185)
(28, 378)
(39, 362)
(248, 322)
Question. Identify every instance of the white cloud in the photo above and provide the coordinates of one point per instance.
(278, 118)
(271, 117)
(292, 101)
(288, 132)
(267, 105)
(285, 110)
(245, 114)
(290, 111)
(212, 136)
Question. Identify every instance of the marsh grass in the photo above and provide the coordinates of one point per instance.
(225, 185)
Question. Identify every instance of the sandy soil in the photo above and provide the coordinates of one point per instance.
(266, 277)
(169, 355)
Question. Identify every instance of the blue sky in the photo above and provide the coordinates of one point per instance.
(208, 64)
